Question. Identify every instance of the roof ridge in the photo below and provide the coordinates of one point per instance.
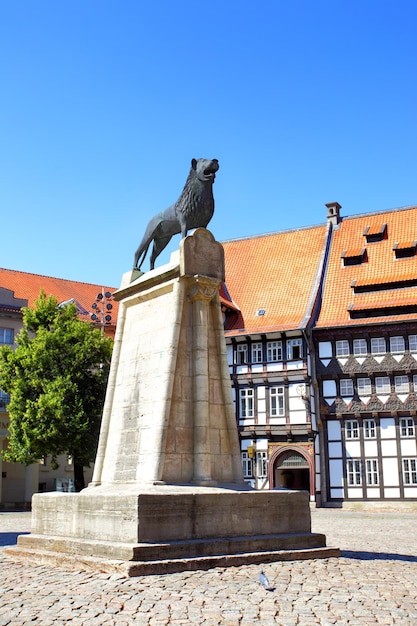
(68, 280)
(276, 232)
(382, 212)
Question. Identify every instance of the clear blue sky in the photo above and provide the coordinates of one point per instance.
(104, 104)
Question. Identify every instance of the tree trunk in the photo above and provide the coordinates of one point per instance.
(78, 476)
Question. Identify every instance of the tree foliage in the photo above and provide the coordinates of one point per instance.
(56, 378)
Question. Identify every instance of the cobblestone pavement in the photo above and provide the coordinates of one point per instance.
(374, 582)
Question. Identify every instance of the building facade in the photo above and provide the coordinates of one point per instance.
(321, 334)
(19, 289)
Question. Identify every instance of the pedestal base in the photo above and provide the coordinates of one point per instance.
(169, 528)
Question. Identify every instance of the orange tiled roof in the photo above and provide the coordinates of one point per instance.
(341, 302)
(274, 274)
(28, 286)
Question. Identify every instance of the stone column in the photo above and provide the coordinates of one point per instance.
(31, 481)
(201, 291)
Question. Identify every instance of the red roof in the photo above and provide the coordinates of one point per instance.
(272, 278)
(395, 279)
(28, 286)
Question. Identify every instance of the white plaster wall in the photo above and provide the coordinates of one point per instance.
(336, 472)
(408, 447)
(325, 349)
(387, 428)
(390, 470)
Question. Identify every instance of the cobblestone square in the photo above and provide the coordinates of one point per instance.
(374, 582)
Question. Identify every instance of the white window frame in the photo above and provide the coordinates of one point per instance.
(256, 352)
(291, 345)
(274, 351)
(6, 336)
(261, 464)
(247, 465)
(346, 387)
(342, 347)
(410, 471)
(352, 429)
(378, 345)
(412, 343)
(360, 347)
(397, 344)
(401, 384)
(369, 428)
(364, 386)
(371, 472)
(382, 384)
(354, 472)
(241, 353)
(407, 427)
(246, 402)
(277, 401)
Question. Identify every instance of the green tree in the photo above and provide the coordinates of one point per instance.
(56, 378)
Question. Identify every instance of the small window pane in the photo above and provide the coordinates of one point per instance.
(369, 429)
(354, 472)
(261, 465)
(407, 427)
(364, 386)
(241, 354)
(360, 347)
(7, 336)
(410, 471)
(246, 403)
(352, 429)
(397, 344)
(378, 345)
(276, 396)
(274, 351)
(247, 465)
(412, 343)
(401, 384)
(342, 348)
(372, 476)
(256, 353)
(346, 387)
(382, 384)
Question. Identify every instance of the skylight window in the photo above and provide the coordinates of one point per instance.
(354, 256)
(405, 249)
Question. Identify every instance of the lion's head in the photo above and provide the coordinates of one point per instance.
(205, 169)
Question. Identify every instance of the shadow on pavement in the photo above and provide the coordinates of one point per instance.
(10, 539)
(379, 556)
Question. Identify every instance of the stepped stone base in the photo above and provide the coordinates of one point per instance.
(169, 529)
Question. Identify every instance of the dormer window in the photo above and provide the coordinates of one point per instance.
(405, 249)
(375, 233)
(354, 256)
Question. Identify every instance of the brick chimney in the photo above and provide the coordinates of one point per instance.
(333, 213)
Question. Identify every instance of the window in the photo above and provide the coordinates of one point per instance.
(382, 384)
(276, 397)
(415, 383)
(397, 344)
(364, 386)
(4, 399)
(406, 427)
(257, 353)
(378, 345)
(360, 347)
(294, 349)
(261, 465)
(342, 348)
(6, 335)
(410, 471)
(346, 387)
(247, 465)
(246, 397)
(372, 476)
(274, 351)
(352, 429)
(354, 472)
(241, 353)
(401, 384)
(412, 343)
(369, 429)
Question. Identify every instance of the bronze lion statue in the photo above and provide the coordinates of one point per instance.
(193, 209)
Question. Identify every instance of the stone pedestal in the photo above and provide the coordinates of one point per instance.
(168, 490)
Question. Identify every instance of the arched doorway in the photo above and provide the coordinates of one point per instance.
(291, 469)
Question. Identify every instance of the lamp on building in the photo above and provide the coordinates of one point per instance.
(101, 309)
